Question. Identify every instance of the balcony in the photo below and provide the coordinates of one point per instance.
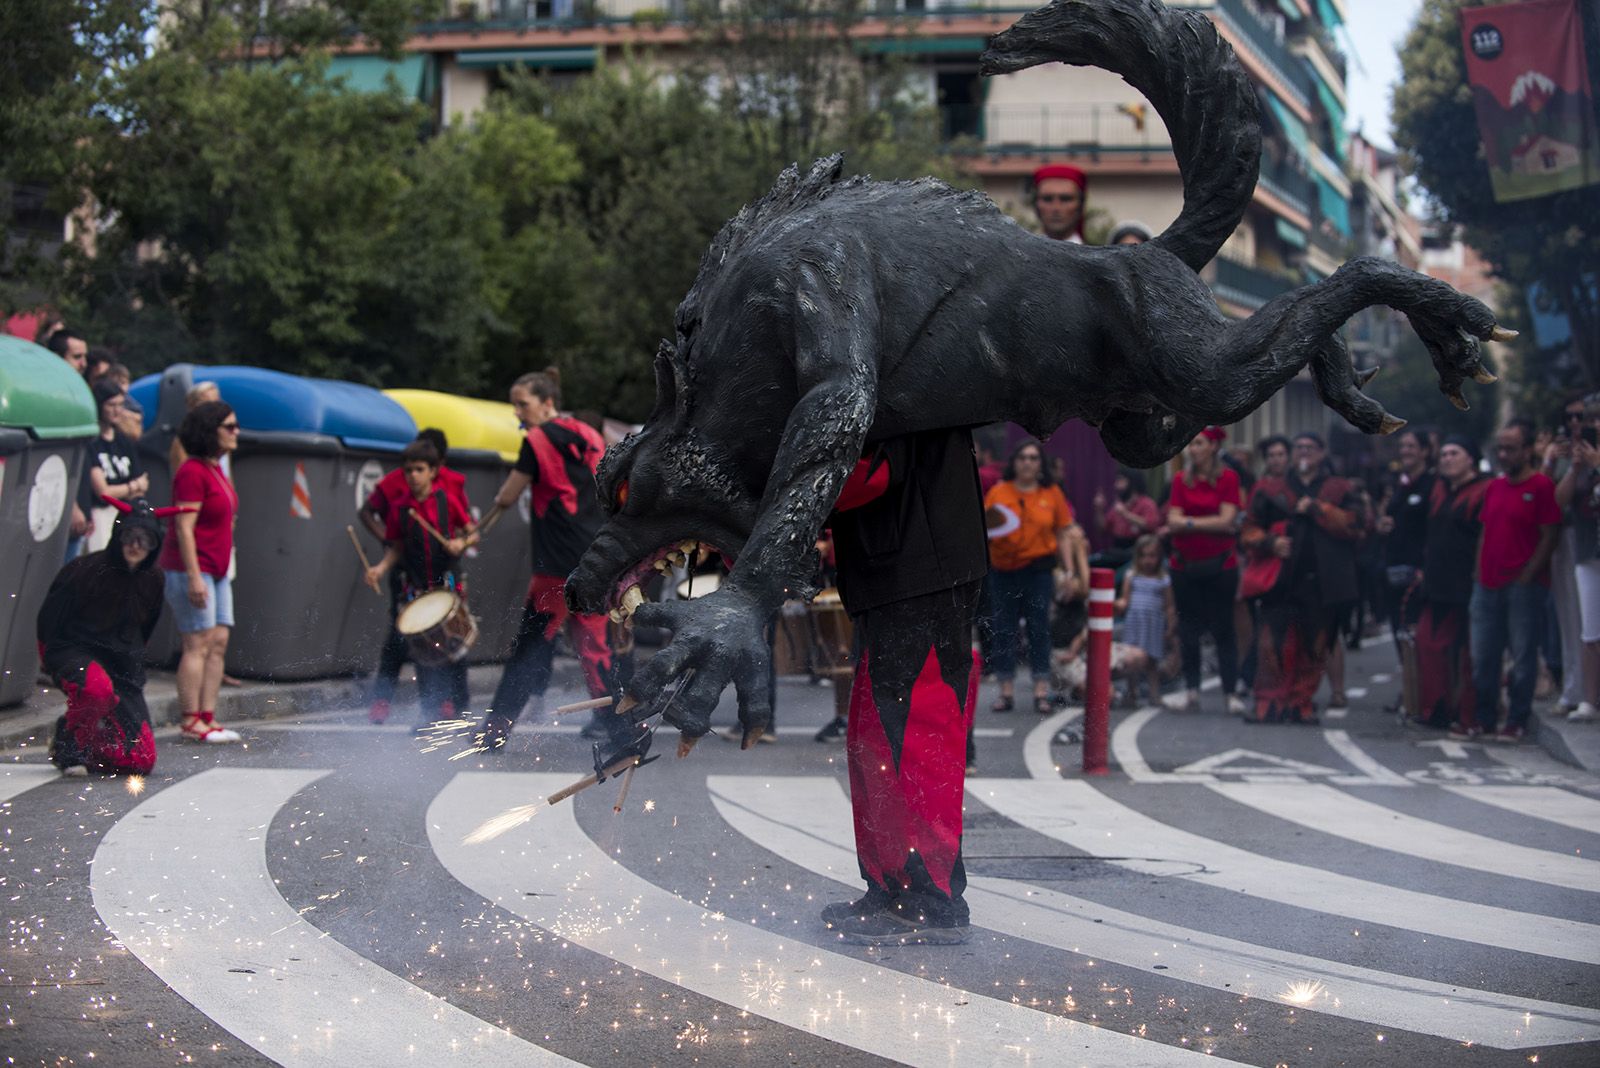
(1088, 130)
(1248, 287)
(1317, 35)
(1288, 183)
(1264, 39)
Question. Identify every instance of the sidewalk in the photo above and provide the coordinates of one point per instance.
(29, 725)
(1570, 743)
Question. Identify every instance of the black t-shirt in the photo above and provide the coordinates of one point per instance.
(1408, 507)
(924, 534)
(1451, 550)
(117, 459)
(560, 456)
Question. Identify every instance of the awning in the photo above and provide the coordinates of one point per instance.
(921, 46)
(1334, 207)
(1335, 110)
(544, 58)
(370, 74)
(1328, 14)
(1289, 122)
(1291, 233)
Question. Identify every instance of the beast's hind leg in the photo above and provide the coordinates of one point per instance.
(1300, 328)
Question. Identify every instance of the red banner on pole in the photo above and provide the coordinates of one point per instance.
(1530, 86)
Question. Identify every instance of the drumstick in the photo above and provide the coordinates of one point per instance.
(589, 780)
(429, 527)
(483, 525)
(627, 781)
(365, 563)
(582, 706)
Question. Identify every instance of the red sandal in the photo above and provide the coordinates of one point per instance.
(202, 727)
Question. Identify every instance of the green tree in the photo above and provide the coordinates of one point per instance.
(1553, 240)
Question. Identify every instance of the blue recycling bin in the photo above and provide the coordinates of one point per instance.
(47, 420)
(310, 451)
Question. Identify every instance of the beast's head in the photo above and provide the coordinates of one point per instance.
(668, 486)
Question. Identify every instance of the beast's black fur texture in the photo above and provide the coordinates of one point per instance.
(830, 314)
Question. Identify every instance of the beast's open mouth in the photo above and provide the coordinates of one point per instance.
(627, 592)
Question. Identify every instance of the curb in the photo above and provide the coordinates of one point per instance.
(31, 723)
(1581, 751)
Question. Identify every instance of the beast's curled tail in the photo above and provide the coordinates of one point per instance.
(1183, 66)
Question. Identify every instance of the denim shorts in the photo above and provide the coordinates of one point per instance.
(218, 611)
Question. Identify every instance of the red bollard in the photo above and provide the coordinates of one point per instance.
(1097, 688)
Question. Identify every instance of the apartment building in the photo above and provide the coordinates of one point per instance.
(1322, 196)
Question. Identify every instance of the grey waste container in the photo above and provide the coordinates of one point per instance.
(310, 451)
(47, 419)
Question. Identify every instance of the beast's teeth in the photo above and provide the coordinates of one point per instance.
(615, 615)
(688, 545)
(661, 565)
(632, 598)
(677, 559)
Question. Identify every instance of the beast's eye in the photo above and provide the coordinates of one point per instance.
(622, 494)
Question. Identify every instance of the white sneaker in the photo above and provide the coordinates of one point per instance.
(1584, 713)
(1236, 706)
(1187, 701)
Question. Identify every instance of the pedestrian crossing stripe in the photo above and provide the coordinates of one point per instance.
(182, 880)
(1332, 812)
(807, 821)
(606, 908)
(1254, 763)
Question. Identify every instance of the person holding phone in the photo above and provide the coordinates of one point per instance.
(1578, 494)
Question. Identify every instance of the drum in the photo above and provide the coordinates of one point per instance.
(831, 636)
(437, 628)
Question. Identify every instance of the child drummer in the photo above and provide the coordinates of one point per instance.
(428, 560)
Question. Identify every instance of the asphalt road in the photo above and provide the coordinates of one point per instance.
(1353, 894)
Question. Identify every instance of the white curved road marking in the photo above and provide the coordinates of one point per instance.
(590, 900)
(182, 882)
(1085, 818)
(1334, 812)
(804, 820)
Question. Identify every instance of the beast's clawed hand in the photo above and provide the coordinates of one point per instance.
(721, 639)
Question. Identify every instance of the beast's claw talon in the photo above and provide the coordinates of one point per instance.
(1363, 377)
(1500, 333)
(751, 737)
(1459, 401)
(686, 745)
(1485, 377)
(1390, 424)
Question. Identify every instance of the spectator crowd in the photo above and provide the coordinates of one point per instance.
(1486, 574)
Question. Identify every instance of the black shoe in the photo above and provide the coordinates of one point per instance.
(64, 752)
(496, 732)
(841, 913)
(833, 730)
(894, 926)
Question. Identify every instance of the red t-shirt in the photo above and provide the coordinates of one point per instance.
(392, 488)
(1202, 498)
(198, 480)
(1512, 514)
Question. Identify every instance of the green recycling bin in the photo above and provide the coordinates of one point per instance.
(47, 420)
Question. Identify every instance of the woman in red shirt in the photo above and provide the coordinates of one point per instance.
(196, 558)
(1029, 522)
(1202, 517)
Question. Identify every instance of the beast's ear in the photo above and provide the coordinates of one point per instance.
(666, 379)
(672, 386)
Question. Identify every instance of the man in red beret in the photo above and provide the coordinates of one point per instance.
(1058, 192)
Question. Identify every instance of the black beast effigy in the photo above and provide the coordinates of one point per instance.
(831, 315)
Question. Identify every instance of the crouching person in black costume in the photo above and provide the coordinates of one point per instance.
(100, 611)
